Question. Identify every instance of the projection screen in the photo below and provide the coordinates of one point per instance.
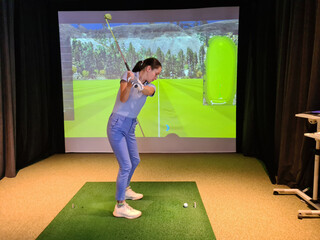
(194, 107)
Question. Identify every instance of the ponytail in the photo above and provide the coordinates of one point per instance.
(138, 67)
(153, 62)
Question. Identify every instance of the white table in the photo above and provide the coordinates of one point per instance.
(313, 119)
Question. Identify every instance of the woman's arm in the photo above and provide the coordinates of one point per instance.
(125, 87)
(149, 91)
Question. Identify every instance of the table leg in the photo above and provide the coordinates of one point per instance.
(316, 173)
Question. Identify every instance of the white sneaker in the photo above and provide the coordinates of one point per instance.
(126, 211)
(131, 195)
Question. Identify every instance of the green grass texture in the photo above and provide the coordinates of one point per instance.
(177, 107)
(88, 215)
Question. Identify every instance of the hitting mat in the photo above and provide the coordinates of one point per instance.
(88, 215)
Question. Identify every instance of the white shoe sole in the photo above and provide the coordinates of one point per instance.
(128, 217)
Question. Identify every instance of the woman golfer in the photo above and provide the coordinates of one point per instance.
(135, 87)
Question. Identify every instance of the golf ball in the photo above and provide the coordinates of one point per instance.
(185, 205)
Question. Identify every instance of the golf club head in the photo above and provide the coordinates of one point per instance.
(108, 16)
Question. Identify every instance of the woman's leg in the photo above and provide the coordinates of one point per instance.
(133, 150)
(118, 143)
(125, 166)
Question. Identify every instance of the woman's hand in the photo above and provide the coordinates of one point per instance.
(130, 76)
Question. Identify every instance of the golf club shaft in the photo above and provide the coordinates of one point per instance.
(140, 128)
(125, 62)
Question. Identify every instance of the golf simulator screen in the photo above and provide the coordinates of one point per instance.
(194, 106)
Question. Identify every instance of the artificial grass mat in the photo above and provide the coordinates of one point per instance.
(88, 215)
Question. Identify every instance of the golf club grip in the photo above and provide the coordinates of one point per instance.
(127, 66)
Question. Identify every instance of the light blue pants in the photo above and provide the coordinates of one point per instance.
(121, 135)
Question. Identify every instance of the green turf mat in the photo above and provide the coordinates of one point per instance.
(88, 215)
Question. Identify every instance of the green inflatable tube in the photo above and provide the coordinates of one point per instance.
(221, 71)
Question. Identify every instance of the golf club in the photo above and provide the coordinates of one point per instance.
(106, 17)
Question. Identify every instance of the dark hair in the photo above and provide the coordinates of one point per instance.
(153, 62)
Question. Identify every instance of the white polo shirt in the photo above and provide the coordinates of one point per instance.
(132, 107)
